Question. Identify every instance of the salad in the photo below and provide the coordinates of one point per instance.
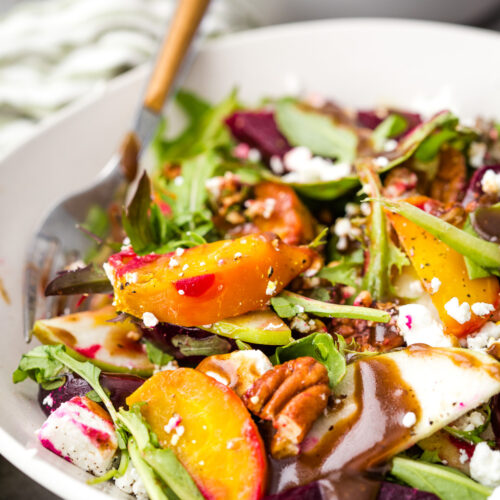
(299, 301)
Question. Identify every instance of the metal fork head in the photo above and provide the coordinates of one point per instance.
(58, 242)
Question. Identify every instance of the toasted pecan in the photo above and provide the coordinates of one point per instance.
(292, 396)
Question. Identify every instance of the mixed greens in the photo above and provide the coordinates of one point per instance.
(286, 279)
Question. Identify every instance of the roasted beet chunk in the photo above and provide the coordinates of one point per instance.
(258, 129)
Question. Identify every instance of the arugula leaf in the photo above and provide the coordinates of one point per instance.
(90, 279)
(288, 304)
(328, 190)
(445, 482)
(156, 355)
(473, 436)
(392, 126)
(319, 346)
(316, 131)
(482, 252)
(208, 346)
(39, 365)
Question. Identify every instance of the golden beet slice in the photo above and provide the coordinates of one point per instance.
(431, 259)
(208, 427)
(207, 283)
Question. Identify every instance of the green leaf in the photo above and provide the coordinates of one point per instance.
(193, 105)
(163, 461)
(482, 252)
(205, 132)
(431, 456)
(445, 482)
(319, 346)
(392, 126)
(383, 255)
(298, 304)
(242, 346)
(153, 486)
(473, 270)
(328, 190)
(39, 365)
(156, 355)
(208, 346)
(347, 271)
(169, 468)
(315, 131)
(409, 144)
(429, 148)
(90, 279)
(93, 396)
(320, 239)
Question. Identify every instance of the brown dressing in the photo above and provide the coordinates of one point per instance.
(351, 449)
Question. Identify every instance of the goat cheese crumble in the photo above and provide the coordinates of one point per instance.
(490, 182)
(482, 308)
(489, 333)
(459, 312)
(149, 320)
(485, 465)
(418, 326)
(435, 285)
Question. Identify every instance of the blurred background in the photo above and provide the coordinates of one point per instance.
(55, 53)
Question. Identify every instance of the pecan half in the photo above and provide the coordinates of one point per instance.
(292, 396)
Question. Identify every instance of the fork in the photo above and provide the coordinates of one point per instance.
(58, 241)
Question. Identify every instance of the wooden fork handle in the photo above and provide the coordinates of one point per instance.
(183, 26)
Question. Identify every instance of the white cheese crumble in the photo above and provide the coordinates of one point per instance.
(108, 269)
(173, 263)
(485, 465)
(149, 320)
(418, 326)
(179, 180)
(304, 167)
(490, 182)
(489, 333)
(477, 150)
(495, 495)
(469, 421)
(238, 255)
(254, 400)
(459, 312)
(390, 145)
(254, 155)
(435, 285)
(179, 251)
(276, 165)
(131, 277)
(173, 422)
(381, 161)
(131, 483)
(180, 292)
(463, 456)
(271, 287)
(48, 400)
(482, 308)
(410, 419)
(366, 208)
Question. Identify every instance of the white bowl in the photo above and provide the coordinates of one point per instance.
(356, 62)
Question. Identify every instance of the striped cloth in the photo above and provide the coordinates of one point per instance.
(53, 52)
